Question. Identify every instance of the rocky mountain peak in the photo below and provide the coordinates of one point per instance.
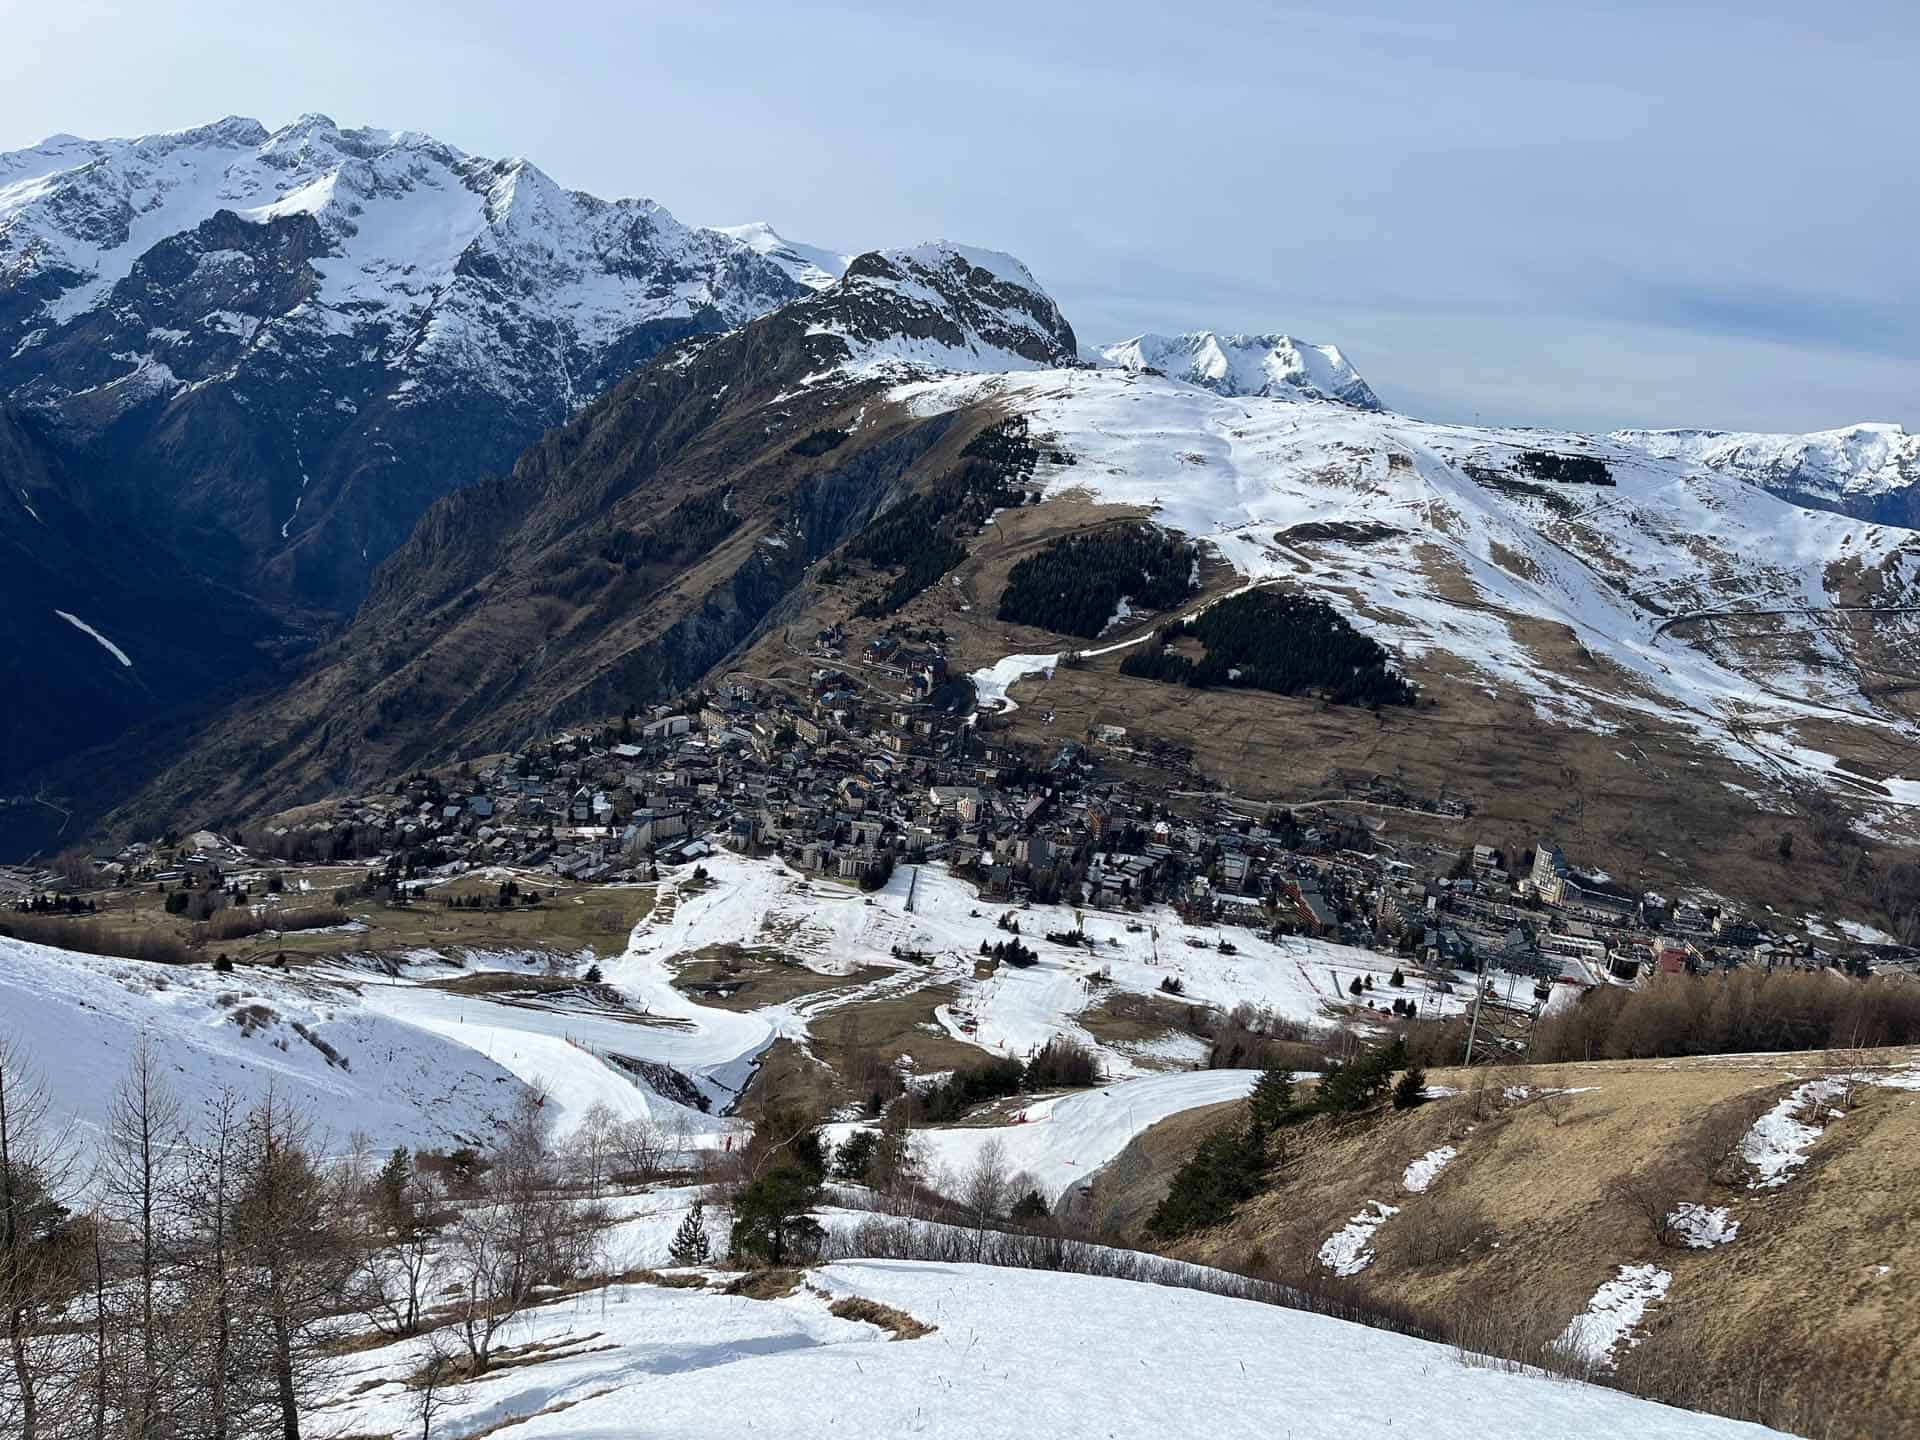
(1276, 366)
(943, 306)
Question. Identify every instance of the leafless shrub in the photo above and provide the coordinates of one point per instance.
(1651, 1195)
(1557, 1105)
(1515, 1337)
(91, 937)
(1436, 1233)
(1712, 1148)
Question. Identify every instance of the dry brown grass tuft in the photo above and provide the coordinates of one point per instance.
(859, 1307)
(764, 1284)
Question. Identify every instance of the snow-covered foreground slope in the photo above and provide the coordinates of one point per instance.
(79, 1018)
(1012, 1353)
(1583, 600)
(427, 1052)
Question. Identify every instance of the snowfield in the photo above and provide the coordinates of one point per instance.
(1780, 1139)
(1012, 1352)
(1468, 563)
(80, 1017)
(1702, 1227)
(418, 1060)
(1423, 1172)
(1062, 1141)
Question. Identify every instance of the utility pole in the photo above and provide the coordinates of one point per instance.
(1479, 993)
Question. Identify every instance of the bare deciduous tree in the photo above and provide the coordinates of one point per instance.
(983, 1190)
(399, 1230)
(594, 1146)
(35, 1252)
(639, 1149)
(288, 1238)
(208, 1191)
(141, 1145)
(439, 1371)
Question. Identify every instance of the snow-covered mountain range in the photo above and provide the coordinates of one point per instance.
(1869, 471)
(299, 338)
(436, 257)
(1276, 366)
(943, 306)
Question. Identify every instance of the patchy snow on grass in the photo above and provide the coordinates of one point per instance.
(1614, 1311)
(1423, 1172)
(1865, 934)
(1702, 1227)
(1349, 1250)
(990, 685)
(1777, 1144)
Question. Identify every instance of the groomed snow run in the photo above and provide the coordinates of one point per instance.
(1615, 1309)
(1013, 1353)
(1063, 1141)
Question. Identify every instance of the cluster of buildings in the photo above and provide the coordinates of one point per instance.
(869, 763)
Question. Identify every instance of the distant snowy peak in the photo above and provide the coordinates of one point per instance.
(942, 306)
(449, 255)
(808, 265)
(1858, 463)
(1277, 366)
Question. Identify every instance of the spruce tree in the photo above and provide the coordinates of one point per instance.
(1411, 1089)
(690, 1245)
(1272, 1100)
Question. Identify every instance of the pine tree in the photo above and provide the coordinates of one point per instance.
(1272, 1100)
(1029, 1209)
(690, 1244)
(1411, 1090)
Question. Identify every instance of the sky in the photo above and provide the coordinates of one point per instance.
(1649, 212)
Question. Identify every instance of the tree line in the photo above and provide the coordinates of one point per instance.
(922, 535)
(195, 1277)
(1732, 1014)
(1275, 640)
(1074, 586)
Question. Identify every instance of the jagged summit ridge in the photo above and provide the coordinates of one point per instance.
(1855, 461)
(300, 337)
(944, 306)
(810, 265)
(412, 226)
(1275, 366)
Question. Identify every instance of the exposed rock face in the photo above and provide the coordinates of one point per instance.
(290, 343)
(626, 554)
